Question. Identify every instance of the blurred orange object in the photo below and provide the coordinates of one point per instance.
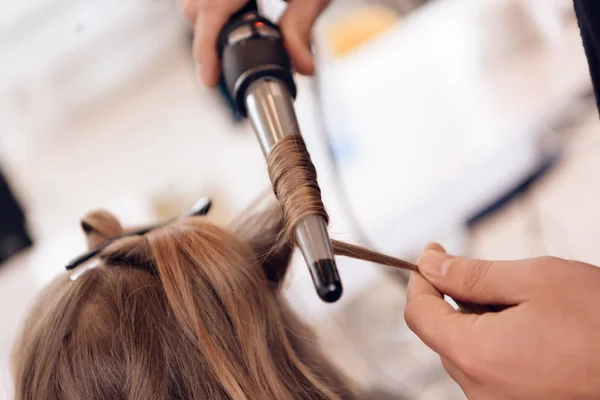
(359, 27)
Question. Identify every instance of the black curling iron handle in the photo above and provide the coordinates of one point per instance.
(251, 47)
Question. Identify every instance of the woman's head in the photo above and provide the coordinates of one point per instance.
(186, 311)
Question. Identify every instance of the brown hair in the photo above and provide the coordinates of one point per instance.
(186, 311)
(295, 185)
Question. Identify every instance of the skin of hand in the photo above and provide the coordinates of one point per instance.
(545, 345)
(209, 16)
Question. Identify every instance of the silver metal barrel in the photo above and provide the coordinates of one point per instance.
(270, 109)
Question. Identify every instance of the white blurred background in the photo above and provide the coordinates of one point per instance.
(469, 122)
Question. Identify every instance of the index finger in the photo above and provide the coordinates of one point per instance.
(212, 16)
(190, 10)
(296, 24)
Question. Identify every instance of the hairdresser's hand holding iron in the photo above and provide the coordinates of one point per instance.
(544, 346)
(209, 16)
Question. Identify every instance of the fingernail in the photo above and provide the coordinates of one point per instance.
(434, 263)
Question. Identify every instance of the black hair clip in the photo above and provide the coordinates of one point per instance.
(202, 207)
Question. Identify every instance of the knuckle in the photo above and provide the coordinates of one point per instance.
(476, 273)
(538, 267)
(478, 358)
(211, 5)
(197, 49)
(410, 316)
(474, 363)
(544, 271)
(542, 263)
(413, 315)
(469, 364)
(189, 10)
(322, 4)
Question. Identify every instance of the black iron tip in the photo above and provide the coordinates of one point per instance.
(327, 281)
(331, 293)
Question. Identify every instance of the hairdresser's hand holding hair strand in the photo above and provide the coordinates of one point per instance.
(542, 344)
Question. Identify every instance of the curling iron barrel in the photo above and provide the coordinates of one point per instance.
(257, 72)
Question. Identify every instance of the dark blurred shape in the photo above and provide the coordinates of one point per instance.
(563, 123)
(13, 233)
(521, 188)
(588, 16)
(237, 117)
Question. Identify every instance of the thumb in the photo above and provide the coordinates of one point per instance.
(477, 281)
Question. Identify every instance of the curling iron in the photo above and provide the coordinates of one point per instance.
(256, 70)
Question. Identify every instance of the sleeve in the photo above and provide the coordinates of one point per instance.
(588, 17)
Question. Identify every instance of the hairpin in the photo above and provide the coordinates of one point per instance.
(80, 271)
(201, 207)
